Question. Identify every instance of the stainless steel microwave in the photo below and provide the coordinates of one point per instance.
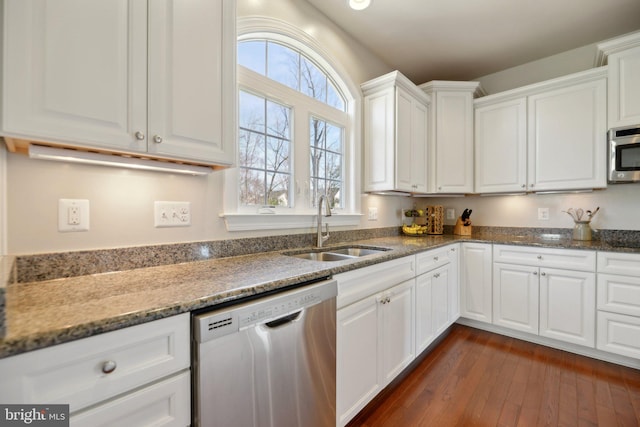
(624, 154)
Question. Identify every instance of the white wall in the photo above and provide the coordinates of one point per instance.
(121, 201)
(572, 61)
(619, 208)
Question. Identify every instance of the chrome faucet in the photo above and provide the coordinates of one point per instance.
(323, 237)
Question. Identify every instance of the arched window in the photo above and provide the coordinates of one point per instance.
(296, 132)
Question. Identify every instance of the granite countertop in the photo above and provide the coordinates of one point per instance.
(44, 313)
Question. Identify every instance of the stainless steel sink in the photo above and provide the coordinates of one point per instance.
(337, 254)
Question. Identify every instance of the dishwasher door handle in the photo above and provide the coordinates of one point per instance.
(283, 320)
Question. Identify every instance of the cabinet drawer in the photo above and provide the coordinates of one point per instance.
(166, 403)
(567, 259)
(618, 333)
(619, 263)
(358, 284)
(619, 294)
(429, 260)
(73, 372)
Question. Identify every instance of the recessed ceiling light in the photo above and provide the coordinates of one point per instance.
(359, 4)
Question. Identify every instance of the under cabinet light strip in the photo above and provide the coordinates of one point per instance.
(84, 157)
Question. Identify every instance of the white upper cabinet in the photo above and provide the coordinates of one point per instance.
(395, 135)
(125, 76)
(549, 136)
(451, 136)
(623, 56)
(567, 135)
(501, 146)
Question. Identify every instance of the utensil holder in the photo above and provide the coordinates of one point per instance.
(582, 230)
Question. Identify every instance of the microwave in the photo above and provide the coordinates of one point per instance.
(624, 154)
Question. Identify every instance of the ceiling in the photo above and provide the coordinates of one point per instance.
(465, 39)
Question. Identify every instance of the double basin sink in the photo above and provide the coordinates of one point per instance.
(338, 254)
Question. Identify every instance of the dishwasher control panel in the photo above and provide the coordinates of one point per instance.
(226, 321)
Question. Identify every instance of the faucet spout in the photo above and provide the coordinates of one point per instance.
(323, 237)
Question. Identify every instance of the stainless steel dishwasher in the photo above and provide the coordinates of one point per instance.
(268, 362)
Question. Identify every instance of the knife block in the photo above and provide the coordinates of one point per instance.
(460, 229)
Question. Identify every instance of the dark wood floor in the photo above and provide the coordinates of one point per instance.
(476, 378)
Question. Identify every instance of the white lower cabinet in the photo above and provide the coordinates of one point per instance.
(375, 334)
(530, 296)
(475, 281)
(515, 297)
(142, 371)
(568, 306)
(437, 302)
(618, 303)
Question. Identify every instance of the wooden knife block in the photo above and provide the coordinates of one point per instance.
(462, 230)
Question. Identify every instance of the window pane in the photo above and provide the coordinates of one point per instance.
(334, 98)
(334, 138)
(278, 120)
(282, 65)
(278, 189)
(278, 155)
(251, 149)
(313, 82)
(317, 133)
(251, 187)
(251, 112)
(252, 54)
(333, 168)
(334, 191)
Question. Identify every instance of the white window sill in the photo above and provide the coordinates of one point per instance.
(251, 221)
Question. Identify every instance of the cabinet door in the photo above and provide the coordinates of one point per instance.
(624, 88)
(379, 134)
(192, 80)
(515, 297)
(618, 333)
(440, 299)
(567, 138)
(357, 380)
(568, 306)
(419, 120)
(77, 72)
(475, 281)
(454, 283)
(166, 403)
(425, 331)
(501, 147)
(396, 323)
(404, 113)
(454, 142)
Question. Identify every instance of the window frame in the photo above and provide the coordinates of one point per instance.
(237, 217)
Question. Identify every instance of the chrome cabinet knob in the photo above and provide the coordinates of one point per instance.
(157, 139)
(139, 135)
(109, 366)
(539, 256)
(435, 258)
(543, 274)
(535, 273)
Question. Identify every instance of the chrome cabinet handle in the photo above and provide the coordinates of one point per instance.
(109, 366)
(139, 135)
(157, 139)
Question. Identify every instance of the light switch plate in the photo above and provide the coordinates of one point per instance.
(73, 215)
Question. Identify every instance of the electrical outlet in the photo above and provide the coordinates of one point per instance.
(73, 215)
(373, 213)
(451, 213)
(543, 214)
(172, 214)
